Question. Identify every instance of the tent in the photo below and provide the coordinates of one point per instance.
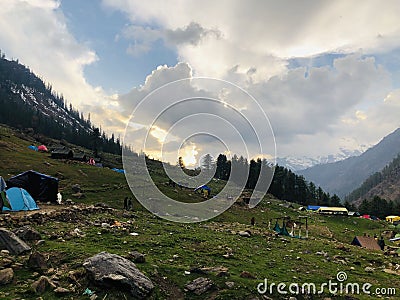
(3, 184)
(62, 153)
(41, 187)
(20, 200)
(4, 202)
(80, 156)
(203, 187)
(42, 148)
(314, 207)
(281, 230)
(122, 171)
(32, 147)
(333, 210)
(366, 242)
(392, 219)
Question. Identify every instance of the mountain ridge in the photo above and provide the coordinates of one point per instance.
(344, 176)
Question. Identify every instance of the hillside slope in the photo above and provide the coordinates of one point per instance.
(28, 103)
(175, 254)
(344, 176)
(385, 184)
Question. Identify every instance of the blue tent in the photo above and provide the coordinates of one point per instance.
(122, 171)
(203, 187)
(314, 207)
(20, 200)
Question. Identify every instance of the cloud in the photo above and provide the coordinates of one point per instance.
(304, 111)
(144, 37)
(261, 35)
(336, 94)
(36, 33)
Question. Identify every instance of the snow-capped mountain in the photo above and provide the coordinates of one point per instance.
(304, 162)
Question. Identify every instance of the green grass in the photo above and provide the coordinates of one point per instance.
(173, 248)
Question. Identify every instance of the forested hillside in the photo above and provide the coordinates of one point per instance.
(385, 184)
(285, 184)
(29, 103)
(344, 176)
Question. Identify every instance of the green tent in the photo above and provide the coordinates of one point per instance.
(281, 230)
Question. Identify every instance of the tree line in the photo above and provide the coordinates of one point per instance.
(392, 170)
(50, 115)
(285, 184)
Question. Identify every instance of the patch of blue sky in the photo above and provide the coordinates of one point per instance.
(316, 61)
(391, 62)
(116, 71)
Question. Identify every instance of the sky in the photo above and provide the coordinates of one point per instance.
(324, 74)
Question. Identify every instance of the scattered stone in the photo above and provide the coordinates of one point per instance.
(42, 284)
(111, 270)
(12, 243)
(26, 233)
(78, 195)
(369, 269)
(137, 257)
(323, 253)
(200, 285)
(102, 205)
(230, 284)
(61, 290)
(76, 188)
(5, 262)
(246, 274)
(6, 276)
(37, 262)
(390, 271)
(342, 247)
(40, 242)
(245, 233)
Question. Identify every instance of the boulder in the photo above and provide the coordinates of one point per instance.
(6, 276)
(199, 285)
(42, 284)
(76, 188)
(26, 233)
(60, 290)
(246, 274)
(111, 270)
(37, 262)
(137, 257)
(245, 233)
(9, 241)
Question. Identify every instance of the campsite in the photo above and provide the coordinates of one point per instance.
(228, 254)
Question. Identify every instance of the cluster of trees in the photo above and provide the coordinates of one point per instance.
(378, 207)
(285, 184)
(56, 120)
(390, 171)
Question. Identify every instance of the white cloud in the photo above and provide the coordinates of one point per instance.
(313, 111)
(36, 33)
(260, 34)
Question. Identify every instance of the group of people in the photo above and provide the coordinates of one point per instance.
(128, 204)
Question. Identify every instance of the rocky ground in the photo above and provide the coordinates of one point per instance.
(98, 252)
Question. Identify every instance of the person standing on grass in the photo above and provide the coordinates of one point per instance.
(130, 206)
(126, 203)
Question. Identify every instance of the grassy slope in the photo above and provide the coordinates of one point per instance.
(173, 248)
